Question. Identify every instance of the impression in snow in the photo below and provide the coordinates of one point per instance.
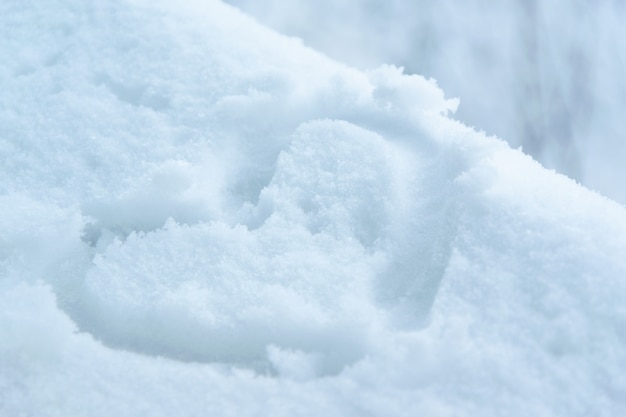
(195, 205)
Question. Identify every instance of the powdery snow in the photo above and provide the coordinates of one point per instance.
(201, 216)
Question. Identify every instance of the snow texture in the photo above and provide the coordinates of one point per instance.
(200, 216)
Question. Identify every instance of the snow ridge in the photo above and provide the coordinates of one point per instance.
(200, 214)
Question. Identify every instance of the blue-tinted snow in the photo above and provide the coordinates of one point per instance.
(201, 216)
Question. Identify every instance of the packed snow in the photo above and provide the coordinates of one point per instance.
(201, 216)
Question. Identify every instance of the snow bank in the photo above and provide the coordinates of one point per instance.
(199, 215)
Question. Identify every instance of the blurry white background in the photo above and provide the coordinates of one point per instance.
(544, 75)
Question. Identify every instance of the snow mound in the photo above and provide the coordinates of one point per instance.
(201, 215)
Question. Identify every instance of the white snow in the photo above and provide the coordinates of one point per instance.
(200, 216)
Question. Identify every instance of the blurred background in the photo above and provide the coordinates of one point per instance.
(544, 75)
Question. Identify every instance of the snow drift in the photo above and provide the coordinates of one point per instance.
(200, 215)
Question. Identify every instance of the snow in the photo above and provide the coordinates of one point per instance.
(199, 215)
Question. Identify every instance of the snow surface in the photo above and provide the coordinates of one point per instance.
(200, 216)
